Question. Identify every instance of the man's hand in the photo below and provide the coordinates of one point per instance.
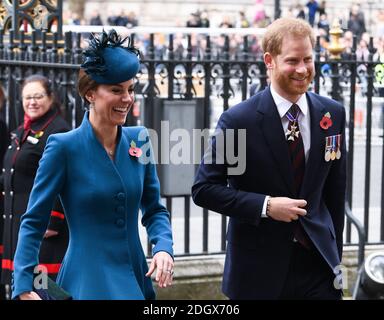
(286, 209)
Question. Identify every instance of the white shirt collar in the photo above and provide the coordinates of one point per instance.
(283, 104)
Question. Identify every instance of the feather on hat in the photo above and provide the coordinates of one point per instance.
(107, 61)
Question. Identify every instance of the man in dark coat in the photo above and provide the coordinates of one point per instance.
(286, 206)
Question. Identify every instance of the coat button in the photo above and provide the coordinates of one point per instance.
(120, 196)
(120, 209)
(12, 170)
(11, 193)
(4, 216)
(120, 222)
(3, 169)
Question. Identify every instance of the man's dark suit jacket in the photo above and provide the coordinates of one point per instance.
(259, 249)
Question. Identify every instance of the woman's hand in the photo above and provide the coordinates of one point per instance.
(164, 264)
(29, 296)
(50, 233)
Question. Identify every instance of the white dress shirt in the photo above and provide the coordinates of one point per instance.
(304, 120)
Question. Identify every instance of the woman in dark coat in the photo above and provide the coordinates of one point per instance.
(4, 141)
(41, 118)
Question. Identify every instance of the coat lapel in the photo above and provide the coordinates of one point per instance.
(316, 153)
(275, 137)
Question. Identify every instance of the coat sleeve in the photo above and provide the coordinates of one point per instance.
(156, 218)
(57, 214)
(48, 183)
(211, 188)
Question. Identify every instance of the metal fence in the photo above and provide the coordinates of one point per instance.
(218, 74)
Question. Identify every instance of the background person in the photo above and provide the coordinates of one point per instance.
(4, 142)
(41, 119)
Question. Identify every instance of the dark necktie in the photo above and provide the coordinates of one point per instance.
(296, 146)
(296, 149)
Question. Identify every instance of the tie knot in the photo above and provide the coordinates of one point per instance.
(294, 110)
(293, 113)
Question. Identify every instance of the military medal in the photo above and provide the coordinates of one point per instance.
(327, 156)
(292, 132)
(332, 148)
(293, 129)
(338, 152)
(333, 152)
(328, 149)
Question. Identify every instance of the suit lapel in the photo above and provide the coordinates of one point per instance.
(275, 137)
(316, 153)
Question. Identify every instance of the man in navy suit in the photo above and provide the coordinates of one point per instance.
(286, 208)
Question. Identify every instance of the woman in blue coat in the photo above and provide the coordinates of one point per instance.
(104, 174)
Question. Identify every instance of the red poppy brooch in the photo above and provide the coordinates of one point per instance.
(135, 151)
(326, 121)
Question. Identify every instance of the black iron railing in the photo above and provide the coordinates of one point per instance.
(220, 76)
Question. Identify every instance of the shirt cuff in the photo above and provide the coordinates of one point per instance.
(264, 211)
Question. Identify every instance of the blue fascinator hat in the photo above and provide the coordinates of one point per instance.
(107, 61)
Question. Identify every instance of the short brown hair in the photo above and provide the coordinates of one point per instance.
(283, 27)
(85, 83)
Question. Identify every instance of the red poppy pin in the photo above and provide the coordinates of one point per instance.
(135, 151)
(326, 121)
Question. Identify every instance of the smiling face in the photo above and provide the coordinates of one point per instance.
(291, 71)
(36, 102)
(111, 103)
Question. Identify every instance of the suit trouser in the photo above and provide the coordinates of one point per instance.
(309, 276)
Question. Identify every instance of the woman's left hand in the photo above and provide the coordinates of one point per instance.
(164, 264)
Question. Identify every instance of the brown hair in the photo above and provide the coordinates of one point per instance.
(46, 84)
(283, 27)
(85, 84)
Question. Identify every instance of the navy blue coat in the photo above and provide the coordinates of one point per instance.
(101, 199)
(259, 249)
